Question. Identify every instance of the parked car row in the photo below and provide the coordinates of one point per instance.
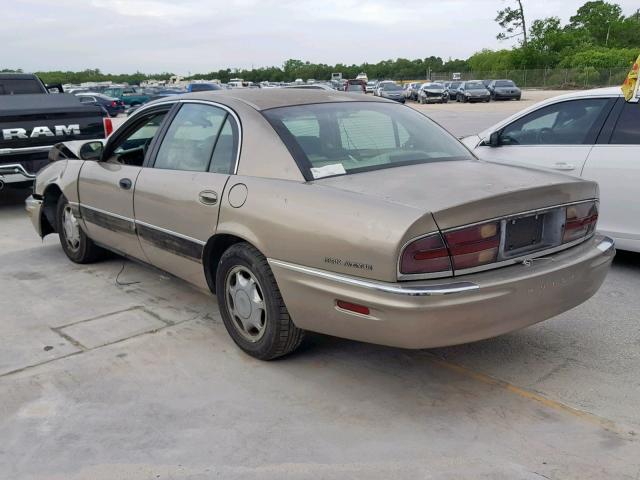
(459, 91)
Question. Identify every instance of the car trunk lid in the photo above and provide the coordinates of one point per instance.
(462, 192)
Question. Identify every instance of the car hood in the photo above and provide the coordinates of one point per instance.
(499, 89)
(466, 191)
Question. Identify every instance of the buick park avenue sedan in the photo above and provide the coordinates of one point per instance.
(317, 211)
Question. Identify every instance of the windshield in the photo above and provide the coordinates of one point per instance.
(344, 138)
(433, 85)
(474, 86)
(391, 86)
(505, 83)
(454, 84)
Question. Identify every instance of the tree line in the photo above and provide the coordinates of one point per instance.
(598, 36)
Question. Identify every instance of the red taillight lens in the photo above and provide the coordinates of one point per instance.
(474, 246)
(114, 104)
(425, 255)
(581, 221)
(108, 127)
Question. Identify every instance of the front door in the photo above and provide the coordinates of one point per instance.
(105, 188)
(615, 165)
(177, 197)
(558, 136)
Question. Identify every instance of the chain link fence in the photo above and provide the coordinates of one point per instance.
(552, 78)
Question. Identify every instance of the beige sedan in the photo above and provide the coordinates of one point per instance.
(328, 212)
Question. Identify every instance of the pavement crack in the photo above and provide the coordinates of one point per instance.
(102, 315)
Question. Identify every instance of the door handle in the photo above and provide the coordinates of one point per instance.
(125, 183)
(208, 197)
(563, 166)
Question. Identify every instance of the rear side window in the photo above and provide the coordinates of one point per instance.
(200, 138)
(20, 87)
(627, 129)
(189, 141)
(573, 122)
(350, 137)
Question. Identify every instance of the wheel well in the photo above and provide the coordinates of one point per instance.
(49, 206)
(212, 253)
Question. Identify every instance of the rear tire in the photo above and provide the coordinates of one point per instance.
(75, 243)
(251, 305)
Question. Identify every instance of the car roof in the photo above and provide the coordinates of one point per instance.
(17, 76)
(260, 99)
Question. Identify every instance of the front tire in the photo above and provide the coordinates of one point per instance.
(251, 305)
(75, 243)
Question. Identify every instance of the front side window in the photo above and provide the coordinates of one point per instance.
(132, 147)
(627, 130)
(567, 123)
(191, 138)
(351, 137)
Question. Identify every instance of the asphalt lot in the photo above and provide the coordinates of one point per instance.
(135, 378)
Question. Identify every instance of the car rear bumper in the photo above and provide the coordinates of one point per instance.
(505, 96)
(19, 165)
(434, 314)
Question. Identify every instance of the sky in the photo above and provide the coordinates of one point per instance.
(198, 36)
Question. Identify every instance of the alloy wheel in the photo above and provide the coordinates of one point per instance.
(71, 228)
(245, 303)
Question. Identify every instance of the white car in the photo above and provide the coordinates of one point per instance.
(593, 134)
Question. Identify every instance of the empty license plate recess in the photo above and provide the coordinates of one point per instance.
(524, 234)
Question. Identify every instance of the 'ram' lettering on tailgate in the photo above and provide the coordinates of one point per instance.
(58, 131)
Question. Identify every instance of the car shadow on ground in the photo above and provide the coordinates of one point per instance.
(10, 197)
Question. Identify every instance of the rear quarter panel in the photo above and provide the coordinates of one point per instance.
(322, 227)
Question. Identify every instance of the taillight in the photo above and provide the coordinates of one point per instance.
(474, 246)
(114, 104)
(580, 222)
(426, 255)
(108, 126)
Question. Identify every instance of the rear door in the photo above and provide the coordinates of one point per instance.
(105, 188)
(557, 136)
(614, 162)
(177, 197)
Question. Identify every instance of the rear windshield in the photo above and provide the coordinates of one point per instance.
(343, 138)
(19, 87)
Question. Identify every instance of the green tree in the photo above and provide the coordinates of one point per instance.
(512, 20)
(597, 18)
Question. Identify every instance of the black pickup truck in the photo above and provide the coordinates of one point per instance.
(32, 120)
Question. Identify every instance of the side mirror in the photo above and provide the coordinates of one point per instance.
(91, 151)
(494, 139)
